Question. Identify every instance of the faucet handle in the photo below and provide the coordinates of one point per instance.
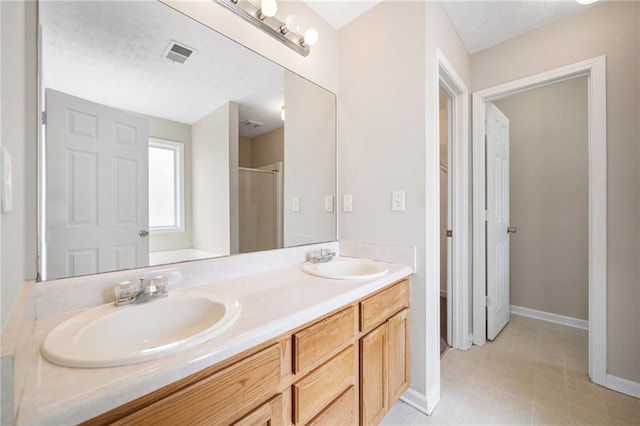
(160, 284)
(125, 293)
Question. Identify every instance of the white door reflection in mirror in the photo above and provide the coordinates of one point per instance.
(96, 168)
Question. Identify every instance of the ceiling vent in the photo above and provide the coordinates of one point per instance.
(177, 52)
(251, 123)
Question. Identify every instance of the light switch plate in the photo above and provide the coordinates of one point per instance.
(6, 180)
(397, 201)
(347, 203)
(295, 204)
(328, 203)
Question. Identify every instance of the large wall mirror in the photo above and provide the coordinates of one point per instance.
(165, 141)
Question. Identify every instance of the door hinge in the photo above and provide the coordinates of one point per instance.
(486, 215)
(487, 301)
(43, 118)
(449, 233)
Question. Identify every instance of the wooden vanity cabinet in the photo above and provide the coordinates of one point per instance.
(345, 368)
(384, 351)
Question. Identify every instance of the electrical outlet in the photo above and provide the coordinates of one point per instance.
(347, 203)
(295, 204)
(397, 201)
(328, 203)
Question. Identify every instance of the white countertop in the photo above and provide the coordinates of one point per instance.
(272, 303)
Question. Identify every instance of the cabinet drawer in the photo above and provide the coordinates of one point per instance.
(378, 308)
(268, 414)
(341, 412)
(318, 388)
(317, 341)
(221, 398)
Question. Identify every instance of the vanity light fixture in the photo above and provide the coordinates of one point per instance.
(261, 14)
(586, 1)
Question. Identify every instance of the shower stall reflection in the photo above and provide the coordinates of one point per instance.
(260, 207)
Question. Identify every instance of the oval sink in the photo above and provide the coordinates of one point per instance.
(108, 336)
(346, 269)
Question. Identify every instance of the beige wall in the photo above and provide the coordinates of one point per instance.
(177, 132)
(244, 152)
(549, 198)
(268, 148)
(386, 120)
(609, 29)
(14, 135)
(310, 159)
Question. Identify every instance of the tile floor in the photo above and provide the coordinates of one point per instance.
(534, 373)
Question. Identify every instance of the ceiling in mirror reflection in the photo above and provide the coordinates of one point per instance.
(121, 45)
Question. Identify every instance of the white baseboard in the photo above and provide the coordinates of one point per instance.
(625, 386)
(547, 316)
(419, 401)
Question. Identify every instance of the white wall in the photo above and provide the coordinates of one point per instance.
(211, 145)
(177, 132)
(309, 158)
(609, 29)
(549, 260)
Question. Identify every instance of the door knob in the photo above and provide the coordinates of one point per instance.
(511, 229)
(143, 233)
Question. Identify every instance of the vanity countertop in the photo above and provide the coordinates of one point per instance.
(272, 303)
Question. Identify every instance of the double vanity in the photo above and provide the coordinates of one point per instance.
(285, 346)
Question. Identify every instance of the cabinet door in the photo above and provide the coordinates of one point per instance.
(268, 414)
(399, 357)
(373, 376)
(341, 412)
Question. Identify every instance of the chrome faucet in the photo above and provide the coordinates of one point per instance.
(126, 293)
(325, 256)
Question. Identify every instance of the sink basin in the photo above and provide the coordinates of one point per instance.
(346, 269)
(109, 336)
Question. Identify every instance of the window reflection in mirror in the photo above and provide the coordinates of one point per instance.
(150, 161)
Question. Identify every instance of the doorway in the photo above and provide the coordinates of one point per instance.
(456, 266)
(445, 224)
(594, 70)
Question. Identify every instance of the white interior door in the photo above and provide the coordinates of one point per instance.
(96, 187)
(497, 221)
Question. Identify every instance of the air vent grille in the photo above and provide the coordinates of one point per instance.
(178, 52)
(251, 123)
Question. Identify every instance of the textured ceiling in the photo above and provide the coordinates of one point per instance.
(112, 54)
(338, 13)
(482, 24)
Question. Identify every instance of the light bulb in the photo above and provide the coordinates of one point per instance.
(268, 7)
(292, 23)
(310, 37)
(586, 1)
(282, 113)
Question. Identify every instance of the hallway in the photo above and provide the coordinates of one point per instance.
(535, 372)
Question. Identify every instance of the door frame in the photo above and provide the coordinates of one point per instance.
(595, 71)
(458, 170)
